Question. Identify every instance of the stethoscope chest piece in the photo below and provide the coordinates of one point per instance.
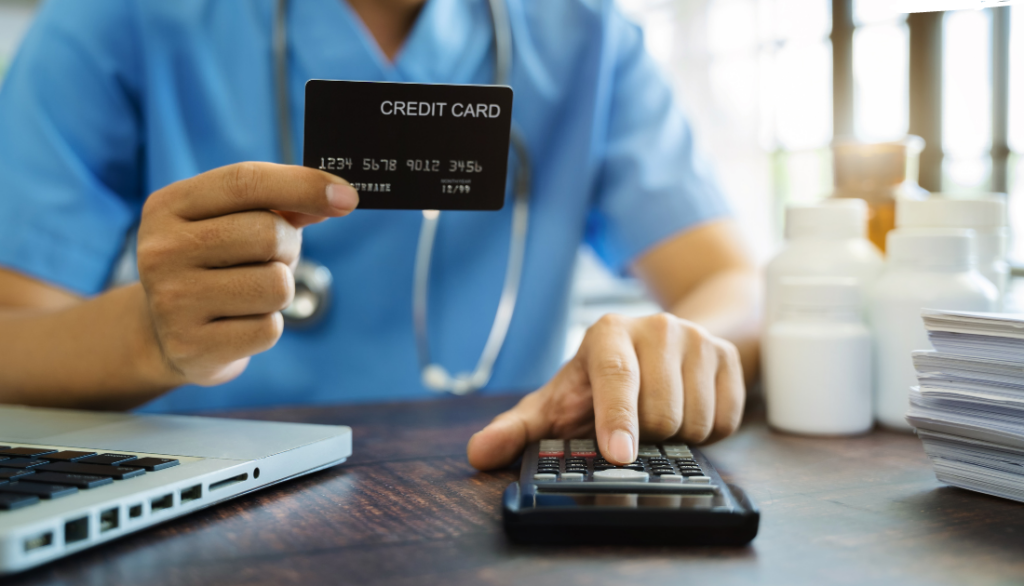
(312, 295)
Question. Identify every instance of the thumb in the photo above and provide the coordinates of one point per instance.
(503, 440)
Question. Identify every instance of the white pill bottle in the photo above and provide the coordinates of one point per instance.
(817, 367)
(932, 269)
(828, 239)
(985, 215)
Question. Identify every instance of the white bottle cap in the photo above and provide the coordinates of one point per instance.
(834, 219)
(936, 248)
(942, 211)
(819, 292)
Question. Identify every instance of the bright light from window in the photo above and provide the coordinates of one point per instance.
(809, 20)
(804, 95)
(1017, 83)
(875, 11)
(967, 98)
(880, 56)
(732, 27)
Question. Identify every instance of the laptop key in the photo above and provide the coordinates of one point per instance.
(23, 463)
(77, 480)
(115, 472)
(69, 456)
(9, 502)
(108, 459)
(43, 491)
(154, 464)
(26, 452)
(13, 473)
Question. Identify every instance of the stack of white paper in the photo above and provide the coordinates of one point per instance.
(969, 407)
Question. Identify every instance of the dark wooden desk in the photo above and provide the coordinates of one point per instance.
(407, 509)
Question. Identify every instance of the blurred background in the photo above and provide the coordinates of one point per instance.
(769, 84)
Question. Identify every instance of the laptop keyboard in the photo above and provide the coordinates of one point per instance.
(29, 474)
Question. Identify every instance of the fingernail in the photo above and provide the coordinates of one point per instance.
(342, 196)
(620, 446)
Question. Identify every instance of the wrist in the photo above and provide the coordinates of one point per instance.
(150, 364)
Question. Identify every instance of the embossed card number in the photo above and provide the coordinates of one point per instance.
(409, 145)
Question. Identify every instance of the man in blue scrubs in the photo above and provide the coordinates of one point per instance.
(161, 116)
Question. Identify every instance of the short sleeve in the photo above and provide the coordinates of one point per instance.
(652, 183)
(70, 146)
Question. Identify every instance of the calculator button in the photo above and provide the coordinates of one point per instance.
(671, 478)
(620, 475)
(583, 448)
(572, 477)
(699, 480)
(552, 447)
(544, 476)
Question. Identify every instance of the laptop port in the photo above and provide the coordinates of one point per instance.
(159, 504)
(76, 530)
(191, 494)
(110, 520)
(39, 541)
(229, 481)
(135, 512)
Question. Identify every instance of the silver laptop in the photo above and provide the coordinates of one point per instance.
(74, 479)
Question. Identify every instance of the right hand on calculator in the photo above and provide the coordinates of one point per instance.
(216, 254)
(654, 378)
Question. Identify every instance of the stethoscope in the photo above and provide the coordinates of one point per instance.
(313, 280)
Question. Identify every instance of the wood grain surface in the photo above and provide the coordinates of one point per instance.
(407, 509)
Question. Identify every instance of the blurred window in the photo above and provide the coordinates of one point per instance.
(880, 70)
(967, 101)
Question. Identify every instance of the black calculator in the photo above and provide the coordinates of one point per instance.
(568, 493)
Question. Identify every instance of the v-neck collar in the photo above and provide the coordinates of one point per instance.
(446, 44)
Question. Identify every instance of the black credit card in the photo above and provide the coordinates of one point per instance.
(411, 146)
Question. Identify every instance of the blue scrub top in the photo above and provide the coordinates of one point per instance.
(108, 101)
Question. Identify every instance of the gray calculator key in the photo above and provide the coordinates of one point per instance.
(672, 478)
(699, 480)
(572, 477)
(544, 476)
(620, 475)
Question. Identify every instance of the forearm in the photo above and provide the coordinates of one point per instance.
(100, 353)
(728, 304)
